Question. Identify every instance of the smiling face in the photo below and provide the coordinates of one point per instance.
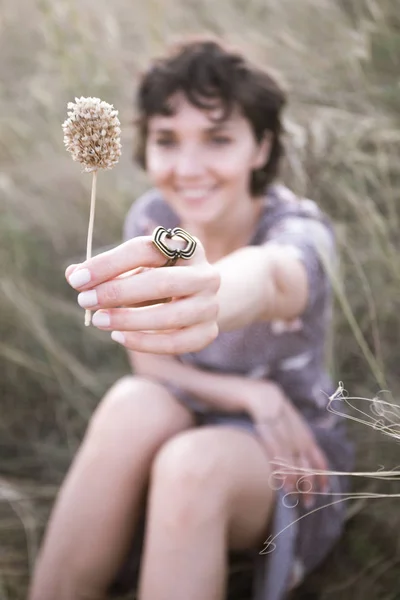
(203, 166)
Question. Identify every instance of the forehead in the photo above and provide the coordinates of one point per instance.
(188, 116)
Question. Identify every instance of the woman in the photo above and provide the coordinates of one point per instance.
(227, 346)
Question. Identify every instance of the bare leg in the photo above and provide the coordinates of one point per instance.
(209, 492)
(93, 521)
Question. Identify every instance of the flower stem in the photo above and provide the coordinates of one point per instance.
(88, 313)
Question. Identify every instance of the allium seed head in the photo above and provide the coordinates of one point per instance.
(92, 133)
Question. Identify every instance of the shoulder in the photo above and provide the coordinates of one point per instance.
(148, 211)
(291, 218)
(286, 204)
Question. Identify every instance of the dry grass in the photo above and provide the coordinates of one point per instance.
(341, 62)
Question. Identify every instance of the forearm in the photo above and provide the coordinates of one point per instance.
(247, 288)
(261, 283)
(218, 391)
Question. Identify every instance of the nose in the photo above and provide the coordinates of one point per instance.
(189, 162)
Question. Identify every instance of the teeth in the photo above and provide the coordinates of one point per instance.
(195, 193)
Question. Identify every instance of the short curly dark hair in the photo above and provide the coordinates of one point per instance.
(210, 75)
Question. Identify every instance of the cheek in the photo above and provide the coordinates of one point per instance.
(234, 168)
(159, 168)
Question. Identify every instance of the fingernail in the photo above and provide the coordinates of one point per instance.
(118, 336)
(79, 277)
(101, 319)
(70, 269)
(87, 299)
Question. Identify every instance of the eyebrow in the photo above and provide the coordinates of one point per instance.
(168, 131)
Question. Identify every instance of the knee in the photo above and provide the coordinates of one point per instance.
(125, 391)
(186, 473)
(133, 406)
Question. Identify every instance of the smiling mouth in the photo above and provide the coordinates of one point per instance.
(196, 193)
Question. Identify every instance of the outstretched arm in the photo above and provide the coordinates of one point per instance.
(260, 283)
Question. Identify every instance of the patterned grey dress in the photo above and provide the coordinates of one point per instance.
(291, 354)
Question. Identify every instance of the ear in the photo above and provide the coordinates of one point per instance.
(263, 150)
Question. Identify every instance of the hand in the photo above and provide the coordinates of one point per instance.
(286, 435)
(127, 289)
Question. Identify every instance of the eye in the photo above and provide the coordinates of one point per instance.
(220, 140)
(165, 142)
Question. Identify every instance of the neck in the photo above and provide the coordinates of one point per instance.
(234, 231)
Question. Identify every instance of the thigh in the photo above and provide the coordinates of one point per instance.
(226, 466)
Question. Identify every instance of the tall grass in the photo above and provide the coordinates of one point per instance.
(340, 61)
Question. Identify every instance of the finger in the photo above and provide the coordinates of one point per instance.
(191, 339)
(267, 439)
(137, 252)
(299, 440)
(150, 302)
(315, 457)
(152, 284)
(181, 313)
(291, 442)
(275, 451)
(305, 482)
(70, 270)
(319, 462)
(272, 449)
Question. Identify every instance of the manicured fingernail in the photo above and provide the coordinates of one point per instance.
(118, 336)
(87, 299)
(70, 269)
(101, 319)
(79, 278)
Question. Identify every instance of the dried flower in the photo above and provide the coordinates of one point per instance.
(92, 133)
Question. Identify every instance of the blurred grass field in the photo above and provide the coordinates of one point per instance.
(341, 62)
